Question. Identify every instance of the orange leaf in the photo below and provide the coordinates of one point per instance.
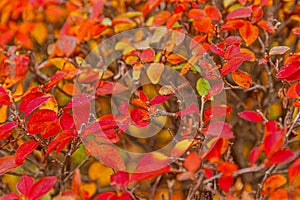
(192, 162)
(227, 168)
(242, 78)
(196, 14)
(24, 150)
(239, 13)
(272, 183)
(161, 17)
(212, 12)
(175, 59)
(249, 32)
(151, 5)
(203, 25)
(76, 182)
(279, 194)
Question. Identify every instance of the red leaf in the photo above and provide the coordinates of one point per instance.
(35, 103)
(158, 99)
(107, 154)
(25, 184)
(278, 50)
(55, 79)
(281, 156)
(266, 26)
(214, 90)
(217, 50)
(66, 121)
(288, 69)
(28, 98)
(219, 129)
(215, 151)
(208, 172)
(254, 154)
(10, 196)
(42, 187)
(233, 40)
(140, 117)
(216, 112)
(232, 65)
(225, 182)
(296, 31)
(172, 20)
(107, 87)
(4, 98)
(7, 163)
(212, 12)
(272, 143)
(192, 162)
(232, 51)
(119, 180)
(147, 55)
(147, 175)
(196, 14)
(105, 196)
(251, 116)
(233, 24)
(24, 150)
(189, 110)
(76, 182)
(45, 122)
(6, 128)
(79, 100)
(297, 88)
(151, 162)
(294, 170)
(227, 168)
(239, 13)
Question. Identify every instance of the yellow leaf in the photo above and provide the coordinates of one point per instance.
(91, 188)
(3, 114)
(100, 173)
(19, 91)
(40, 32)
(154, 72)
(272, 183)
(51, 104)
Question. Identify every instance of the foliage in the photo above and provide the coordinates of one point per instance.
(242, 63)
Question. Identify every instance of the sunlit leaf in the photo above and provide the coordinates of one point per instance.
(278, 50)
(242, 78)
(249, 32)
(272, 183)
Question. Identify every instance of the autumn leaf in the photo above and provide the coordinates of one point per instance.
(219, 129)
(202, 86)
(24, 150)
(294, 170)
(272, 183)
(7, 163)
(192, 162)
(251, 116)
(249, 32)
(213, 12)
(154, 72)
(239, 13)
(281, 156)
(35, 103)
(119, 180)
(225, 182)
(242, 78)
(278, 50)
(25, 184)
(6, 128)
(4, 98)
(147, 55)
(42, 187)
(151, 5)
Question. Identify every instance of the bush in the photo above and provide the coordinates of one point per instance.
(149, 99)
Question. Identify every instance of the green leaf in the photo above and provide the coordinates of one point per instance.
(202, 86)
